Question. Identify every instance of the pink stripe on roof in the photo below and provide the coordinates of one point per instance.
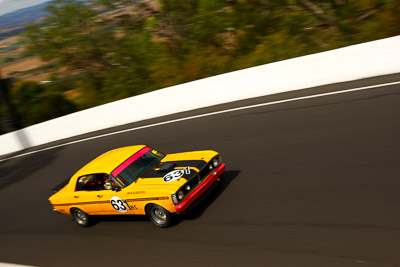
(129, 161)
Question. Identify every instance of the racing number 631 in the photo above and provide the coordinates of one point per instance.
(119, 204)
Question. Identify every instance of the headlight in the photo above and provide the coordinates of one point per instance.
(180, 195)
(187, 187)
(215, 162)
(210, 166)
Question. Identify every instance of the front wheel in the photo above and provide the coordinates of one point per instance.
(159, 216)
(81, 217)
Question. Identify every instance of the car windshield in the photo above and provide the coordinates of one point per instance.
(137, 165)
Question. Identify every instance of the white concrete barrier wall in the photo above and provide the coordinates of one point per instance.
(350, 63)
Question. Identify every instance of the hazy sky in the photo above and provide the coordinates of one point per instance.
(7, 6)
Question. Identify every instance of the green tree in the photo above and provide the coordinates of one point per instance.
(115, 54)
(35, 103)
(167, 42)
(70, 36)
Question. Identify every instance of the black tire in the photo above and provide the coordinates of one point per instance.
(81, 217)
(159, 216)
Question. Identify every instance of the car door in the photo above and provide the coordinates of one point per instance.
(86, 195)
(112, 202)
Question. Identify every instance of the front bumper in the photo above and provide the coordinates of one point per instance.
(200, 190)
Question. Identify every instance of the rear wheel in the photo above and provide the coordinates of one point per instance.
(159, 216)
(81, 217)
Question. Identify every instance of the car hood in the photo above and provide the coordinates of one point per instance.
(172, 172)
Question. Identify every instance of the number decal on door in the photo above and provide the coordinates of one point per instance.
(119, 204)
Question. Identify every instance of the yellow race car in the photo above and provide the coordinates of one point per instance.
(138, 180)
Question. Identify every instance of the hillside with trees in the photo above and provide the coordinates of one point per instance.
(12, 23)
(154, 44)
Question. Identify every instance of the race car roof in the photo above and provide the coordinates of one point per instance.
(108, 161)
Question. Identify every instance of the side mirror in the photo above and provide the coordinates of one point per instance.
(116, 188)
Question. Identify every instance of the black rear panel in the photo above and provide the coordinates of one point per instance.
(60, 186)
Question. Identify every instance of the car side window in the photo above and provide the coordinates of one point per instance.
(87, 183)
(104, 181)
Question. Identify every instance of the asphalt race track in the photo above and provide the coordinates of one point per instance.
(312, 182)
